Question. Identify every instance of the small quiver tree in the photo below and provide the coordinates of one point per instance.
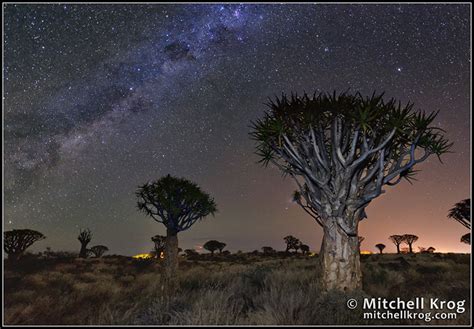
(84, 237)
(380, 247)
(98, 251)
(410, 239)
(212, 246)
(397, 240)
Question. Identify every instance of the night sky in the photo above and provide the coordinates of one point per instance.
(101, 98)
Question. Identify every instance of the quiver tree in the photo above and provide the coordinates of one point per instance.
(341, 150)
(292, 243)
(84, 237)
(15, 242)
(160, 242)
(99, 250)
(461, 212)
(380, 247)
(178, 204)
(213, 245)
(397, 241)
(410, 239)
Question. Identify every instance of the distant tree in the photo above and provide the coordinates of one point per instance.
(397, 241)
(431, 250)
(99, 250)
(178, 204)
(461, 212)
(304, 249)
(268, 250)
(190, 252)
(409, 239)
(85, 236)
(380, 247)
(212, 245)
(466, 238)
(292, 243)
(15, 242)
(160, 242)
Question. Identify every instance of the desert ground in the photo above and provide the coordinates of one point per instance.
(221, 289)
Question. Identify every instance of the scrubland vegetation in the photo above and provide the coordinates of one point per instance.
(218, 289)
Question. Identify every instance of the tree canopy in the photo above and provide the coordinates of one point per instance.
(17, 241)
(461, 212)
(329, 139)
(175, 202)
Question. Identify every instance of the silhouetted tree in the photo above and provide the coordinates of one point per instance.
(85, 236)
(176, 203)
(292, 243)
(304, 249)
(99, 250)
(15, 242)
(268, 250)
(380, 247)
(461, 212)
(397, 241)
(341, 150)
(409, 239)
(213, 245)
(431, 250)
(160, 242)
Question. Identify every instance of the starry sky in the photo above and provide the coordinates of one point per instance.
(101, 98)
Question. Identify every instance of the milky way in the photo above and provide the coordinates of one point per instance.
(101, 98)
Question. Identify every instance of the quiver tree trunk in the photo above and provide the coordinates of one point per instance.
(340, 260)
(83, 251)
(171, 254)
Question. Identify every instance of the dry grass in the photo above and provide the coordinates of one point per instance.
(243, 289)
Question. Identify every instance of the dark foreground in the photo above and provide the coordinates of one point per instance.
(235, 289)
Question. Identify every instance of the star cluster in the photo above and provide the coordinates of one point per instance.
(101, 98)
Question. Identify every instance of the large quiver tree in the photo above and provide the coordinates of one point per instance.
(341, 150)
(176, 203)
